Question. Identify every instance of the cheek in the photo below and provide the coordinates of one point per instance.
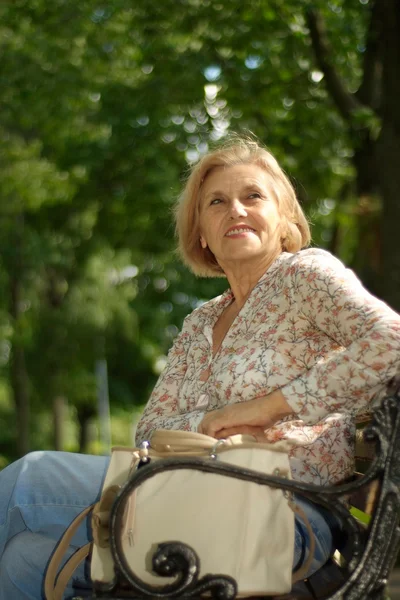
(202, 228)
(207, 227)
(282, 226)
(274, 220)
(204, 234)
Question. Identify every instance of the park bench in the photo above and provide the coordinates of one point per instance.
(366, 552)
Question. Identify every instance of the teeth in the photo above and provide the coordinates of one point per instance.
(241, 230)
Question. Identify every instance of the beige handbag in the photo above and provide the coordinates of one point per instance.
(237, 528)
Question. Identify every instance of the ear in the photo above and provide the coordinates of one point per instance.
(203, 242)
(284, 235)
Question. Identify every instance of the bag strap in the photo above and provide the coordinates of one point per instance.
(301, 572)
(166, 441)
(68, 570)
(179, 441)
(53, 590)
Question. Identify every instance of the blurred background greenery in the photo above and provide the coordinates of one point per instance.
(103, 107)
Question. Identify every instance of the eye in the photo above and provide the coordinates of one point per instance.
(215, 201)
(254, 195)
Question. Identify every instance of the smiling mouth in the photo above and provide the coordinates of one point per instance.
(238, 230)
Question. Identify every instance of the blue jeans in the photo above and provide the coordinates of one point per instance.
(41, 493)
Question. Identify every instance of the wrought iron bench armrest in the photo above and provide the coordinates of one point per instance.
(372, 550)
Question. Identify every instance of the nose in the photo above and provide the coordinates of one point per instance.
(236, 209)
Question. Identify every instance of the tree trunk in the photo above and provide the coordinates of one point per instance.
(389, 154)
(377, 164)
(390, 178)
(58, 422)
(19, 376)
(85, 415)
(365, 163)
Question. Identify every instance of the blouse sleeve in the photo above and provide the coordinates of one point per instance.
(334, 301)
(162, 410)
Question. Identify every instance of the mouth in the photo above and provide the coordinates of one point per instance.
(238, 230)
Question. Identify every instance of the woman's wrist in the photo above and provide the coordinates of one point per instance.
(261, 412)
(278, 405)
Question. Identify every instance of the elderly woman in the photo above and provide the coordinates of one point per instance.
(292, 350)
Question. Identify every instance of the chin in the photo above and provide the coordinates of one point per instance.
(244, 255)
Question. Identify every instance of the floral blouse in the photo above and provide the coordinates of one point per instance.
(308, 328)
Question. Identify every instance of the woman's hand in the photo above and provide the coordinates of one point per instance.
(252, 417)
(257, 432)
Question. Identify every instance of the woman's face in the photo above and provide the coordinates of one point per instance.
(239, 217)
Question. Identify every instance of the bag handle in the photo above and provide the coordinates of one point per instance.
(301, 572)
(179, 441)
(166, 441)
(53, 590)
(68, 570)
(161, 438)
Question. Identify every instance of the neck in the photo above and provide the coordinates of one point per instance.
(243, 277)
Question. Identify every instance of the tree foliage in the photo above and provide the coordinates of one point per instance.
(103, 108)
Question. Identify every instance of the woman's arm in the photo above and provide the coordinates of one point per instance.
(251, 417)
(162, 408)
(334, 301)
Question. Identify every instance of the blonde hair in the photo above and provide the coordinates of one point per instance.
(238, 150)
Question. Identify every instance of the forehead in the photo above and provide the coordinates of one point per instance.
(226, 179)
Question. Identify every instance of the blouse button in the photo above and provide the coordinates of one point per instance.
(202, 402)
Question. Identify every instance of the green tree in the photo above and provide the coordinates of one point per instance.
(372, 118)
(102, 109)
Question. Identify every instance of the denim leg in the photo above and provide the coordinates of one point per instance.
(325, 529)
(23, 563)
(40, 495)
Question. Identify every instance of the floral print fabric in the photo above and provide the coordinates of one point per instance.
(308, 328)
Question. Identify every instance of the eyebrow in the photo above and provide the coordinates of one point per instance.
(253, 186)
(247, 188)
(214, 193)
